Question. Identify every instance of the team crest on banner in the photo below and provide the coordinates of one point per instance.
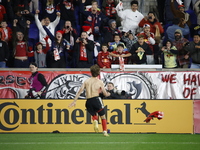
(65, 86)
(137, 85)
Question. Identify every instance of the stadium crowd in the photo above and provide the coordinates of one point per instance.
(80, 33)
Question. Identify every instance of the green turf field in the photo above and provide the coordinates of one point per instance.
(91, 141)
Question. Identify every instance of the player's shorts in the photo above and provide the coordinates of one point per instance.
(95, 105)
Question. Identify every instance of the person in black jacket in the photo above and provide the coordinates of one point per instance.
(4, 53)
(83, 51)
(139, 51)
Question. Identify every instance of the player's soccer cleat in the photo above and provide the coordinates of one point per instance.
(105, 134)
(96, 126)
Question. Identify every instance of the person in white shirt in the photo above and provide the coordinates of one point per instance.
(130, 17)
(49, 25)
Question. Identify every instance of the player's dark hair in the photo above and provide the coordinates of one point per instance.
(95, 70)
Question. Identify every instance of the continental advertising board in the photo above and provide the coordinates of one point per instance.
(123, 116)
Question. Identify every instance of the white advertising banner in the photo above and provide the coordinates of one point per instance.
(156, 84)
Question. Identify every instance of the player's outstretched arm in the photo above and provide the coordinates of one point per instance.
(73, 104)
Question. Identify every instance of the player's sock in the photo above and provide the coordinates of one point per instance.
(104, 124)
(96, 126)
(94, 117)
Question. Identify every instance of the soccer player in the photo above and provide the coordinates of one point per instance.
(94, 103)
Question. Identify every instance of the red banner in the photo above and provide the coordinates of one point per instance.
(61, 84)
(196, 116)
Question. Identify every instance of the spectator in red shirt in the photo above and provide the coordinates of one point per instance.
(20, 46)
(103, 58)
(6, 32)
(3, 15)
(120, 53)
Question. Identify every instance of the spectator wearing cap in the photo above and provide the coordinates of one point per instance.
(171, 30)
(180, 13)
(40, 54)
(156, 28)
(109, 31)
(193, 49)
(120, 52)
(130, 17)
(59, 52)
(179, 43)
(149, 38)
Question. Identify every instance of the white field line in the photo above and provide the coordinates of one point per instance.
(84, 143)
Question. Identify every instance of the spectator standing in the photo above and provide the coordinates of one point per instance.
(51, 26)
(48, 9)
(179, 43)
(40, 54)
(129, 39)
(108, 8)
(157, 29)
(3, 15)
(169, 53)
(110, 31)
(22, 15)
(6, 32)
(130, 17)
(59, 51)
(70, 33)
(139, 51)
(95, 19)
(20, 46)
(113, 45)
(149, 39)
(171, 30)
(67, 8)
(104, 58)
(180, 13)
(193, 49)
(83, 51)
(120, 53)
(4, 53)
